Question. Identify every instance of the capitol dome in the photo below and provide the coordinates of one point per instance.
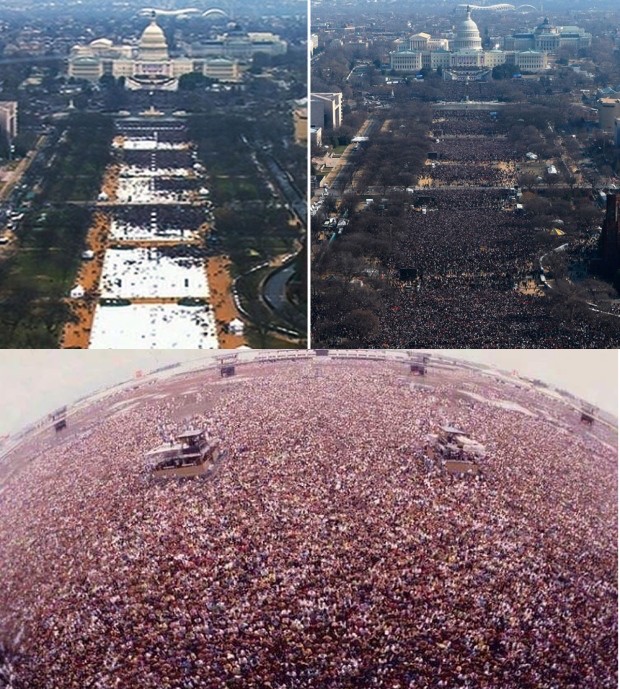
(467, 35)
(545, 27)
(153, 46)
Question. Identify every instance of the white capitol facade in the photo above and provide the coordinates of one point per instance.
(149, 65)
(461, 57)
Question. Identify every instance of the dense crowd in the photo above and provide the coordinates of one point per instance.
(6, 672)
(166, 216)
(319, 552)
(465, 123)
(477, 259)
(486, 245)
(468, 149)
(471, 151)
(479, 174)
(487, 90)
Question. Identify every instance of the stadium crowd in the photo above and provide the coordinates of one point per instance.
(6, 672)
(319, 552)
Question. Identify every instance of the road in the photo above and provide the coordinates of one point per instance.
(274, 290)
(22, 168)
(339, 178)
(274, 294)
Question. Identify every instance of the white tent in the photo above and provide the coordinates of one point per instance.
(77, 292)
(236, 327)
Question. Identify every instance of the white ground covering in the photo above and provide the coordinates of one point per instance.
(145, 272)
(153, 326)
(123, 230)
(137, 171)
(142, 190)
(131, 144)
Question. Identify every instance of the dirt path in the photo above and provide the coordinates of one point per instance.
(77, 335)
(220, 285)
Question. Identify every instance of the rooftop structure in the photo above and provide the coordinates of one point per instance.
(153, 46)
(227, 364)
(418, 364)
(463, 56)
(467, 34)
(147, 66)
(8, 118)
(588, 412)
(238, 44)
(192, 455)
(608, 112)
(548, 37)
(326, 110)
(59, 419)
(452, 451)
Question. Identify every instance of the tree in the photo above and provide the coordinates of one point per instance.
(504, 71)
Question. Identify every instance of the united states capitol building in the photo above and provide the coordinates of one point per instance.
(462, 57)
(150, 66)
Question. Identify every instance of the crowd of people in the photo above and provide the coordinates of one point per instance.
(472, 151)
(477, 258)
(479, 174)
(465, 123)
(486, 245)
(467, 149)
(319, 552)
(6, 672)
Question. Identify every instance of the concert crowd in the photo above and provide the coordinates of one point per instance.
(319, 552)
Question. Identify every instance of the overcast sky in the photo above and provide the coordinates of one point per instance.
(34, 382)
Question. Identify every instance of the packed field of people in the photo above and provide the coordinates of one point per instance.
(465, 123)
(468, 149)
(472, 250)
(319, 552)
(471, 151)
(478, 174)
(486, 244)
(486, 317)
(6, 672)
